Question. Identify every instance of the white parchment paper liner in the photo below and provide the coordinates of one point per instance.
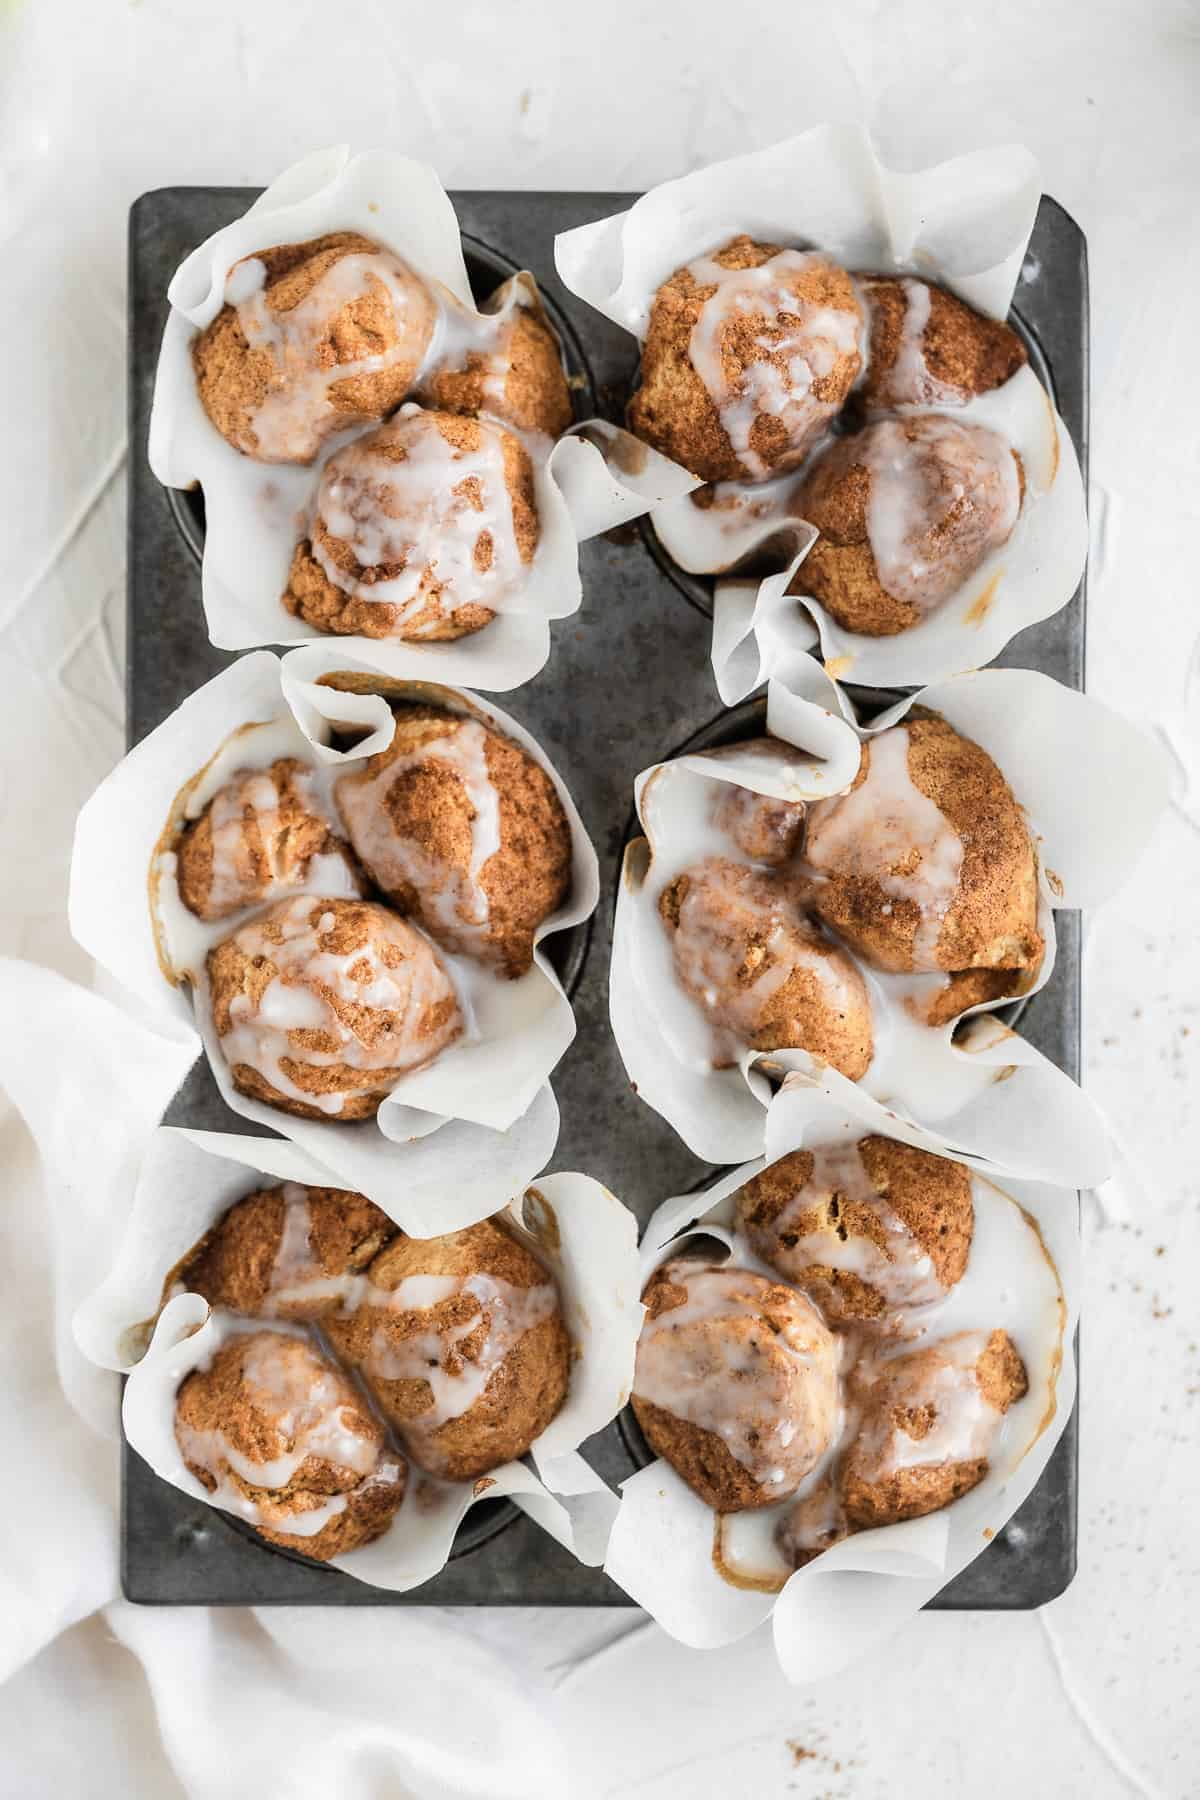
(588, 483)
(580, 1231)
(964, 224)
(454, 1140)
(1092, 787)
(848, 1599)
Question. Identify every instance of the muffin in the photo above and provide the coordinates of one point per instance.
(945, 1001)
(421, 530)
(814, 1523)
(763, 828)
(464, 832)
(928, 348)
(760, 971)
(907, 510)
(736, 1383)
(312, 338)
(863, 1228)
(320, 1006)
(927, 862)
(462, 1344)
(278, 1436)
(749, 355)
(286, 1252)
(930, 1420)
(261, 834)
(506, 364)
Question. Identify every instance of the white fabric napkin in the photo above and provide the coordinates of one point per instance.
(360, 1703)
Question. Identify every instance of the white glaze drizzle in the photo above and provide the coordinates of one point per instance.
(1010, 1284)
(424, 515)
(454, 902)
(920, 470)
(887, 831)
(797, 354)
(234, 882)
(455, 1380)
(462, 334)
(305, 1399)
(187, 939)
(965, 1424)
(296, 999)
(293, 1260)
(724, 905)
(899, 1269)
(714, 1378)
(296, 412)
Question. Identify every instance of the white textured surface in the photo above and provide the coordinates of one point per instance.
(98, 101)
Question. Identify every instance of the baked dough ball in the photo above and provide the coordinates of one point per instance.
(929, 1422)
(763, 828)
(907, 510)
(736, 1382)
(421, 530)
(928, 348)
(312, 338)
(505, 363)
(759, 969)
(965, 988)
(286, 1252)
(749, 354)
(278, 1435)
(261, 834)
(320, 1006)
(462, 830)
(864, 1227)
(462, 1343)
(927, 862)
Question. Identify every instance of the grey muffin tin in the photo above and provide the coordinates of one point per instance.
(628, 683)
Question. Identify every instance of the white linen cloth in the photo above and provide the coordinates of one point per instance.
(103, 99)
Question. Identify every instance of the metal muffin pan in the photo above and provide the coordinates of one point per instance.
(628, 683)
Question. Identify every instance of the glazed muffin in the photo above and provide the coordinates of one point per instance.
(763, 828)
(760, 971)
(506, 364)
(312, 338)
(278, 1436)
(264, 832)
(814, 1523)
(320, 1006)
(928, 348)
(464, 832)
(749, 354)
(462, 1343)
(907, 510)
(421, 530)
(736, 1383)
(290, 1252)
(930, 1420)
(864, 1228)
(926, 863)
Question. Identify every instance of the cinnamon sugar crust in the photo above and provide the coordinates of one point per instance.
(929, 1195)
(962, 353)
(761, 971)
(523, 1392)
(434, 614)
(234, 379)
(224, 1405)
(991, 922)
(673, 409)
